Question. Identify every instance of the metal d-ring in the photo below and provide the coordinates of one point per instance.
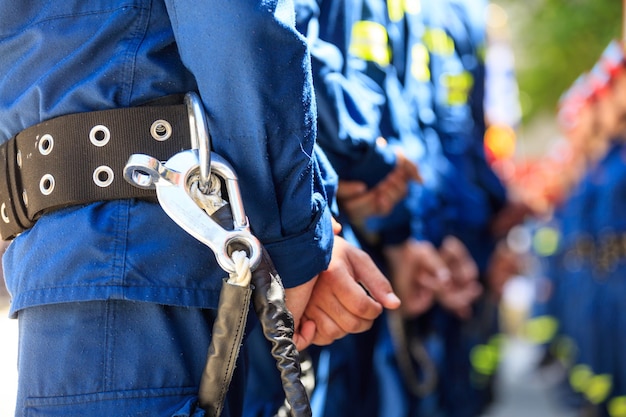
(200, 138)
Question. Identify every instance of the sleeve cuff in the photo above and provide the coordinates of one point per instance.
(299, 258)
(375, 165)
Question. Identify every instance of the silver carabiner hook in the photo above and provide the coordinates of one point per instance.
(173, 181)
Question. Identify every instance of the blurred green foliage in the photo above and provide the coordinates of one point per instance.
(555, 41)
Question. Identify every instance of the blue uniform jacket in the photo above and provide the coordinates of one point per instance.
(369, 54)
(252, 70)
(349, 104)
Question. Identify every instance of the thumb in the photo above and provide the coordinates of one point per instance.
(433, 271)
(409, 169)
(412, 172)
(375, 282)
(303, 337)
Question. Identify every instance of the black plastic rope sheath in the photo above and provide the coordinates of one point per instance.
(228, 331)
(278, 327)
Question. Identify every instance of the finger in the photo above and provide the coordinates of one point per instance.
(326, 329)
(393, 187)
(446, 253)
(361, 206)
(342, 298)
(339, 301)
(336, 226)
(433, 270)
(408, 169)
(420, 300)
(350, 189)
(475, 291)
(415, 175)
(460, 298)
(468, 270)
(452, 247)
(368, 274)
(452, 302)
(466, 298)
(304, 336)
(350, 304)
(457, 258)
(453, 264)
(385, 203)
(464, 313)
(395, 184)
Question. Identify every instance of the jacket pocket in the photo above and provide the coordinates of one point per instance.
(161, 402)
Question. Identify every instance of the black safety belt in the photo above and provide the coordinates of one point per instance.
(79, 158)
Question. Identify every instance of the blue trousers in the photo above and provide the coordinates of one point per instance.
(115, 358)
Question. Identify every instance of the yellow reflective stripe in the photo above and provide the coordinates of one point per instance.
(438, 42)
(484, 359)
(599, 387)
(579, 377)
(546, 241)
(462, 81)
(370, 42)
(395, 9)
(541, 329)
(564, 349)
(420, 61)
(497, 340)
(457, 87)
(617, 407)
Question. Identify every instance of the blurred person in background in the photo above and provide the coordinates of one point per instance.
(587, 271)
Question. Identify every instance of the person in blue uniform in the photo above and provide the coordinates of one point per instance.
(466, 392)
(346, 368)
(380, 41)
(609, 177)
(587, 268)
(436, 54)
(115, 301)
(577, 120)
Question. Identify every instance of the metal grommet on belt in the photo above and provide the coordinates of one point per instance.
(161, 130)
(103, 176)
(46, 184)
(99, 135)
(3, 213)
(46, 143)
